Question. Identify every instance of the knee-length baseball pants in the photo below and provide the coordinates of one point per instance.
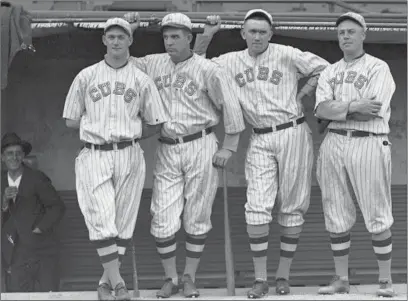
(109, 186)
(185, 183)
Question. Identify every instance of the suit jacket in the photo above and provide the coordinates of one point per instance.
(37, 205)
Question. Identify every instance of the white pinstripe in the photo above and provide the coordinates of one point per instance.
(184, 178)
(279, 166)
(280, 163)
(195, 92)
(356, 168)
(111, 104)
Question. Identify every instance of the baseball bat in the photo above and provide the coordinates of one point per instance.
(229, 258)
(136, 293)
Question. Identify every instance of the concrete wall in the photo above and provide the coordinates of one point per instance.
(33, 102)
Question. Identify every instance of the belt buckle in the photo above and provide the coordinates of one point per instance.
(294, 123)
(274, 129)
(349, 134)
(115, 146)
(180, 140)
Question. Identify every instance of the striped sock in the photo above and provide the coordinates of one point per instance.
(122, 246)
(288, 245)
(382, 244)
(258, 242)
(194, 249)
(166, 247)
(108, 254)
(340, 245)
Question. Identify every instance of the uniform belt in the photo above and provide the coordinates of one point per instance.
(111, 146)
(354, 133)
(188, 138)
(279, 127)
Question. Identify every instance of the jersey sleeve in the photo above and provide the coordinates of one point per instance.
(327, 107)
(140, 62)
(309, 64)
(152, 109)
(201, 46)
(75, 100)
(381, 85)
(222, 94)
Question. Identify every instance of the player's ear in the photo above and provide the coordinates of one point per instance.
(189, 37)
(104, 40)
(243, 33)
(363, 35)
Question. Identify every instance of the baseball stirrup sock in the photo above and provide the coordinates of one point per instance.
(259, 248)
(288, 245)
(122, 246)
(194, 250)
(108, 254)
(166, 247)
(340, 245)
(382, 244)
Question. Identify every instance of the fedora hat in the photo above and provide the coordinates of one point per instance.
(13, 139)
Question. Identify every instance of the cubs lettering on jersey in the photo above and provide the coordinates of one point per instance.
(110, 104)
(266, 87)
(359, 167)
(195, 92)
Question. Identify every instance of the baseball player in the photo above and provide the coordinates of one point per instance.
(354, 95)
(196, 92)
(279, 158)
(109, 102)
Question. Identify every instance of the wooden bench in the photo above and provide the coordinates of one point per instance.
(313, 263)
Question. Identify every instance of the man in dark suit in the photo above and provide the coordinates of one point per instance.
(31, 209)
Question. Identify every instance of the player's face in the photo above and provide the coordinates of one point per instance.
(176, 41)
(256, 33)
(117, 42)
(351, 36)
(12, 157)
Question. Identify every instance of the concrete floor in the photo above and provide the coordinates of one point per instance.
(360, 292)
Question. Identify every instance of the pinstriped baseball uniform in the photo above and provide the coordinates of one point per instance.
(111, 104)
(194, 92)
(278, 164)
(359, 166)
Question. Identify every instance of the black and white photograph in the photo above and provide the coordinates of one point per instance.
(204, 149)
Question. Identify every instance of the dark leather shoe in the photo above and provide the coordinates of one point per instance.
(121, 292)
(168, 289)
(189, 288)
(105, 292)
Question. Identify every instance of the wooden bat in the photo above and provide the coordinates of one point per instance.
(136, 293)
(229, 259)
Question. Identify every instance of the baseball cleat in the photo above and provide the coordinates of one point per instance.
(121, 292)
(168, 289)
(105, 292)
(385, 289)
(189, 288)
(258, 290)
(336, 286)
(282, 286)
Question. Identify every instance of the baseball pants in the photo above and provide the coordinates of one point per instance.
(279, 167)
(184, 179)
(355, 168)
(109, 186)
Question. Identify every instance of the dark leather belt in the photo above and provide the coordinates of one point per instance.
(279, 127)
(354, 133)
(184, 139)
(111, 146)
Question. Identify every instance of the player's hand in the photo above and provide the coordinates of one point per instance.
(221, 158)
(212, 25)
(37, 231)
(362, 117)
(10, 192)
(134, 19)
(365, 106)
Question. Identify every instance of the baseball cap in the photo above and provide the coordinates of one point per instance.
(359, 19)
(118, 22)
(177, 20)
(261, 12)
